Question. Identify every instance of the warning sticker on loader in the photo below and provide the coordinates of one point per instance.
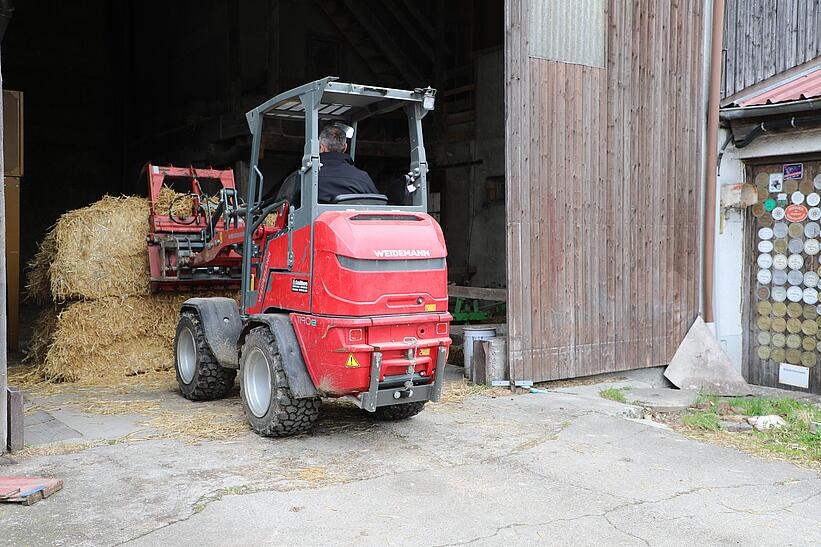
(299, 285)
(352, 362)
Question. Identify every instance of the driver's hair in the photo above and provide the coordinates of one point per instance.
(332, 138)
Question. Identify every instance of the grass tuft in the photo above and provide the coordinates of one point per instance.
(614, 394)
(706, 421)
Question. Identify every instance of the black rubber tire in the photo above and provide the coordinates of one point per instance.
(393, 413)
(286, 414)
(211, 380)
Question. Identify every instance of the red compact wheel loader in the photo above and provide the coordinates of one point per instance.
(346, 299)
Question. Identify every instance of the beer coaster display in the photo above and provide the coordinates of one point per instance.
(786, 275)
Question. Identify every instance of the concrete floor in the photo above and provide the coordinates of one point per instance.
(564, 468)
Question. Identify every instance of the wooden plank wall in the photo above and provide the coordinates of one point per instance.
(766, 37)
(603, 195)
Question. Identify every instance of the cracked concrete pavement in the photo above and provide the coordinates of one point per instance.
(564, 467)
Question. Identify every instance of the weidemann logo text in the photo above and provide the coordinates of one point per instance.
(393, 253)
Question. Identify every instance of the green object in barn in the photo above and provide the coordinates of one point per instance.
(769, 204)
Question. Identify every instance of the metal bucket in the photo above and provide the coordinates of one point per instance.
(472, 334)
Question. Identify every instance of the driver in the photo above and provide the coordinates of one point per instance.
(338, 175)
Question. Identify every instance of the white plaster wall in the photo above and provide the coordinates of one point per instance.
(729, 259)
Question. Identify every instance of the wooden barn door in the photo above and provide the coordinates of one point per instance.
(603, 183)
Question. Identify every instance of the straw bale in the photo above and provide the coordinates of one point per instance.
(42, 335)
(107, 339)
(100, 250)
(38, 274)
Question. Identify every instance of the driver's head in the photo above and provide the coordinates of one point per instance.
(332, 139)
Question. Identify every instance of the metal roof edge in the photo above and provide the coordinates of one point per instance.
(757, 111)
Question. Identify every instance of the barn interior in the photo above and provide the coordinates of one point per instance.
(110, 86)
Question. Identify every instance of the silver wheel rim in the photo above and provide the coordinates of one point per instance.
(186, 355)
(256, 382)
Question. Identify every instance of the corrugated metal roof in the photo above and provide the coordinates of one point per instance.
(799, 87)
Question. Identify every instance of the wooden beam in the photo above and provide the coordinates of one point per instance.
(478, 293)
(4, 435)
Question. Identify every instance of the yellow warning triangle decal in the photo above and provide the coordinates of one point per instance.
(351, 362)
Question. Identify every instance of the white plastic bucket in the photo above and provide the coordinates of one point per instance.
(472, 334)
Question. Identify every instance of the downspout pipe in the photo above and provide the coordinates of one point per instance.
(713, 105)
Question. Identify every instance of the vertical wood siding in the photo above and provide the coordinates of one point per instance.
(766, 37)
(603, 195)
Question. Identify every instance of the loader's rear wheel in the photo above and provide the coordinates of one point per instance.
(199, 374)
(271, 408)
(393, 413)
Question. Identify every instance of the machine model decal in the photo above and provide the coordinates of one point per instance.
(392, 253)
(299, 285)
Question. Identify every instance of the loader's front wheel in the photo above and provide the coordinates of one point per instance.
(199, 374)
(271, 408)
(393, 413)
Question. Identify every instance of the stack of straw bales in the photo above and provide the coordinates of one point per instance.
(101, 322)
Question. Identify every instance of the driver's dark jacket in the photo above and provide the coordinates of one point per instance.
(338, 175)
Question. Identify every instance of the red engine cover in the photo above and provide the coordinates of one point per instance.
(378, 263)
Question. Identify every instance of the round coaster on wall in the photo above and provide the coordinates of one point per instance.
(794, 309)
(764, 277)
(766, 220)
(795, 245)
(811, 229)
(811, 246)
(763, 352)
(806, 187)
(790, 187)
(814, 213)
(795, 261)
(762, 179)
(762, 193)
(808, 343)
(795, 229)
(769, 204)
(813, 199)
(809, 327)
(777, 324)
(777, 354)
(810, 279)
(809, 312)
(763, 293)
(764, 338)
(765, 246)
(793, 340)
(758, 210)
(764, 308)
(763, 323)
(778, 293)
(816, 182)
(793, 356)
(794, 327)
(780, 246)
(779, 230)
(777, 339)
(809, 359)
(795, 294)
(780, 262)
(779, 309)
(778, 213)
(810, 295)
(795, 277)
(765, 261)
(797, 198)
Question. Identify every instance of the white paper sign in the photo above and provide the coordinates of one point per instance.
(794, 375)
(776, 182)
